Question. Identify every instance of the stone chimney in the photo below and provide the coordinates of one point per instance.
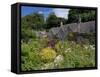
(61, 23)
(79, 21)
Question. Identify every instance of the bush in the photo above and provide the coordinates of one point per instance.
(26, 34)
(30, 59)
(89, 36)
(72, 36)
(47, 54)
(84, 37)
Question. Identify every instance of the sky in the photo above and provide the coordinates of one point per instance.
(59, 12)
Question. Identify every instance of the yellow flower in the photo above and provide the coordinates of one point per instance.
(47, 54)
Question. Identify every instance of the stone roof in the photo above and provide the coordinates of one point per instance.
(62, 32)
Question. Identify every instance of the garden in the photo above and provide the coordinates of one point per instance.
(41, 53)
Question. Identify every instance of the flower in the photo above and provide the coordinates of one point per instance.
(92, 47)
(68, 50)
(85, 46)
(48, 66)
(58, 59)
(47, 54)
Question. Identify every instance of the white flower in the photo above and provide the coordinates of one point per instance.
(85, 46)
(58, 59)
(48, 66)
(68, 50)
(92, 47)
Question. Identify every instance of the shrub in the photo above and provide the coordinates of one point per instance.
(29, 55)
(26, 34)
(72, 36)
(47, 54)
(61, 47)
(58, 46)
(25, 49)
(90, 37)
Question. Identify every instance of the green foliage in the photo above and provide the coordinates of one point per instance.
(76, 56)
(30, 24)
(30, 58)
(72, 36)
(88, 37)
(26, 34)
(61, 20)
(35, 21)
(35, 56)
(52, 21)
(79, 57)
(86, 15)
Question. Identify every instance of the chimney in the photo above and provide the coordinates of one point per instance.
(79, 22)
(61, 23)
(79, 19)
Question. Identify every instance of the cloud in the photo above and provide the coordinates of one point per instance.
(61, 13)
(40, 12)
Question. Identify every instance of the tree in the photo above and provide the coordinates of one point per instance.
(52, 21)
(62, 20)
(38, 21)
(26, 22)
(86, 15)
(30, 23)
(33, 21)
